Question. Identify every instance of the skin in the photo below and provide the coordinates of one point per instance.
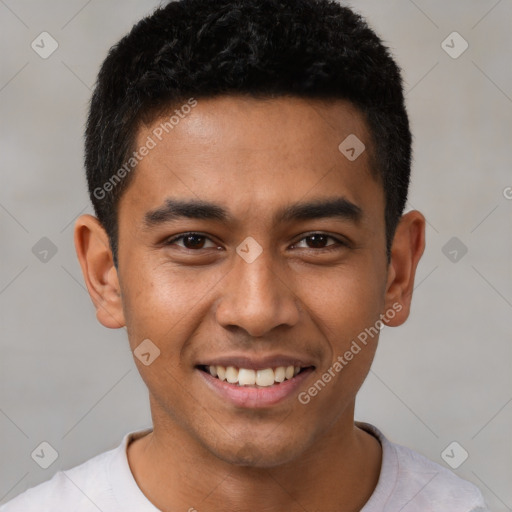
(253, 157)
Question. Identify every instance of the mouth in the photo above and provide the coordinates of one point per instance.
(255, 385)
(249, 377)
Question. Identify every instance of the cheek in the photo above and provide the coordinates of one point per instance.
(345, 308)
(344, 301)
(161, 303)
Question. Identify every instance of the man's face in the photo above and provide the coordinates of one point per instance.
(213, 299)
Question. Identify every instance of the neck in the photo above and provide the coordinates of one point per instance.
(176, 473)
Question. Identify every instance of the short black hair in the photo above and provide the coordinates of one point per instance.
(260, 48)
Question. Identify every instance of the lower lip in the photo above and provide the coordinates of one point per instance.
(252, 397)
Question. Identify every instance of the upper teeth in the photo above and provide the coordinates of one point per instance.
(247, 377)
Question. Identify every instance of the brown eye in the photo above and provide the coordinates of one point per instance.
(318, 241)
(191, 241)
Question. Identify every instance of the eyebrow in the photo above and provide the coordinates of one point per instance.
(176, 209)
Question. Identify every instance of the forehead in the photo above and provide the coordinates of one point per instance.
(252, 155)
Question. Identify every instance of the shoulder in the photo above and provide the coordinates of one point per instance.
(409, 478)
(435, 484)
(80, 488)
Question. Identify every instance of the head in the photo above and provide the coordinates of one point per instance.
(261, 49)
(275, 131)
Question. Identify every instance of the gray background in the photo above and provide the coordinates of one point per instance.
(444, 376)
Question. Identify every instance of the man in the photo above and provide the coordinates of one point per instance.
(249, 162)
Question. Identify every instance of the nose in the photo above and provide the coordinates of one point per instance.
(257, 298)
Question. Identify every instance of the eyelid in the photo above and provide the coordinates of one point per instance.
(172, 239)
(340, 241)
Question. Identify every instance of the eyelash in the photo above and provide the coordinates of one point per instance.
(339, 243)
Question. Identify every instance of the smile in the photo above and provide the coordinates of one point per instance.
(255, 378)
(257, 387)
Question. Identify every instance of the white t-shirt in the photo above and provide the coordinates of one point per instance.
(408, 482)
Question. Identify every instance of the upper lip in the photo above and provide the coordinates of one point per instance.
(257, 363)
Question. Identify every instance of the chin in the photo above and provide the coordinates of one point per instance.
(257, 451)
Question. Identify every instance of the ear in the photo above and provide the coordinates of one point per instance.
(406, 251)
(100, 274)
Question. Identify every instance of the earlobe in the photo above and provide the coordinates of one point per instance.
(406, 251)
(100, 275)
